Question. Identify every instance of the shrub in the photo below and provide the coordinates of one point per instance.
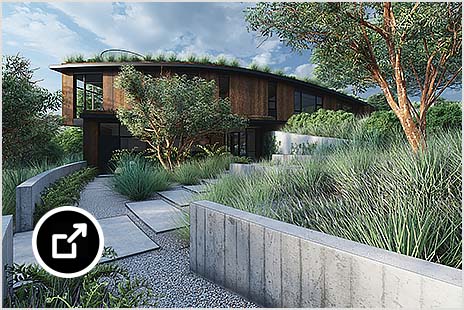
(380, 194)
(235, 63)
(64, 192)
(328, 123)
(221, 61)
(160, 58)
(383, 122)
(444, 115)
(138, 178)
(70, 140)
(106, 285)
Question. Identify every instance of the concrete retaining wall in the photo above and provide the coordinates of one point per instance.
(285, 140)
(28, 193)
(7, 250)
(246, 169)
(276, 264)
(288, 158)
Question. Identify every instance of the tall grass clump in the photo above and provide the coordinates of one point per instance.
(191, 172)
(373, 191)
(138, 178)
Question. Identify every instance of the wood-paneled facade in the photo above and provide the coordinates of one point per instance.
(247, 90)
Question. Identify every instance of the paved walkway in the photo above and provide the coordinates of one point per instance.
(143, 235)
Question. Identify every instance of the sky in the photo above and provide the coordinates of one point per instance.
(48, 32)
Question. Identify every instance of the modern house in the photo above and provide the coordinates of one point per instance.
(267, 100)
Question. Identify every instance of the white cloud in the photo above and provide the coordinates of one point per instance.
(39, 31)
(189, 28)
(304, 71)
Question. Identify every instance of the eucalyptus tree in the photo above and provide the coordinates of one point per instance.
(173, 113)
(406, 49)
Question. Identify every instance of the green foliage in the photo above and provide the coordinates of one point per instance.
(379, 102)
(255, 66)
(173, 58)
(209, 150)
(266, 69)
(166, 108)
(380, 194)
(64, 192)
(270, 146)
(160, 58)
(383, 122)
(221, 61)
(96, 58)
(205, 60)
(326, 123)
(279, 72)
(29, 123)
(192, 171)
(192, 59)
(234, 63)
(444, 115)
(138, 178)
(105, 286)
(148, 57)
(74, 58)
(70, 140)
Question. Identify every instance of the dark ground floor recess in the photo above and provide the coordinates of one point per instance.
(103, 134)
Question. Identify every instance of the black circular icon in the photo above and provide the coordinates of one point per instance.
(67, 242)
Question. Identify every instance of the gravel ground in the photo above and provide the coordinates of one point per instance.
(165, 269)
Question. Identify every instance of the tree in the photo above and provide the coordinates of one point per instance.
(406, 49)
(172, 113)
(378, 101)
(28, 122)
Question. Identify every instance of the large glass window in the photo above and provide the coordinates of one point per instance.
(306, 102)
(243, 143)
(272, 99)
(88, 93)
(224, 87)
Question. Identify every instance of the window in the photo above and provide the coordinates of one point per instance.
(224, 86)
(127, 141)
(305, 102)
(272, 99)
(243, 143)
(88, 93)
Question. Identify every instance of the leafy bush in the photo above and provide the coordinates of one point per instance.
(64, 192)
(327, 123)
(70, 140)
(380, 194)
(105, 286)
(444, 115)
(383, 122)
(138, 178)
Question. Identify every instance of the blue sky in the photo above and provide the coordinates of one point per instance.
(48, 32)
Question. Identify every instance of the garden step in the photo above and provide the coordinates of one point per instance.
(119, 232)
(180, 197)
(196, 188)
(159, 215)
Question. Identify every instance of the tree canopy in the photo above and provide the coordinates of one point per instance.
(406, 49)
(173, 113)
(28, 122)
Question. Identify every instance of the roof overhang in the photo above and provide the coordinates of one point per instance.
(69, 68)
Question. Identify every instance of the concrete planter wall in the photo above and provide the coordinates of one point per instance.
(285, 140)
(276, 264)
(28, 193)
(288, 158)
(247, 169)
(7, 250)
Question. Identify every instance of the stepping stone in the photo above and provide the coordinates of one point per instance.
(196, 188)
(209, 181)
(120, 233)
(158, 214)
(180, 197)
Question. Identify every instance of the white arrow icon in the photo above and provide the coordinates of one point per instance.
(81, 228)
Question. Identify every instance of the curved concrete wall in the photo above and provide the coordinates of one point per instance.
(28, 193)
(276, 264)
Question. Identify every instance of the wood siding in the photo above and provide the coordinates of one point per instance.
(67, 109)
(248, 95)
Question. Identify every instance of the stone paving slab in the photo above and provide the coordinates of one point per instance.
(180, 197)
(196, 188)
(158, 214)
(120, 233)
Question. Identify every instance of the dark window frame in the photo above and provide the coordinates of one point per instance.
(85, 91)
(272, 111)
(299, 93)
(224, 94)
